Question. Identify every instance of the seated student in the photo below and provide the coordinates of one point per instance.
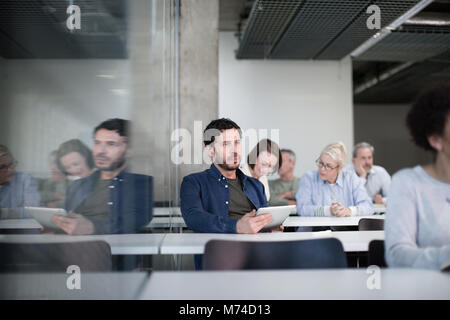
(17, 189)
(223, 199)
(376, 179)
(53, 189)
(417, 225)
(264, 159)
(330, 191)
(283, 190)
(74, 158)
(110, 200)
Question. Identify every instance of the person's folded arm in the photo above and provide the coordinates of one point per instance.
(196, 217)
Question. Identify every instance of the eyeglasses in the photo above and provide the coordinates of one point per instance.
(327, 167)
(5, 167)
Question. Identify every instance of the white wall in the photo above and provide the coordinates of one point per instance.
(46, 102)
(310, 102)
(383, 125)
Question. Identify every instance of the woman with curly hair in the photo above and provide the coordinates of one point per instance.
(417, 223)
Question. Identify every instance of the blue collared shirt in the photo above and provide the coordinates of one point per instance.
(205, 200)
(314, 195)
(378, 181)
(21, 192)
(130, 201)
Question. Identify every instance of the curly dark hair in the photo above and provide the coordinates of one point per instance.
(428, 115)
(74, 145)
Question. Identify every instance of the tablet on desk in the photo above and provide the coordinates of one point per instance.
(279, 214)
(43, 215)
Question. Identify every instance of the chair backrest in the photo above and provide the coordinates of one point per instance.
(367, 224)
(300, 254)
(376, 253)
(92, 256)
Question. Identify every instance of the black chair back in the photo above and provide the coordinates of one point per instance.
(90, 256)
(376, 253)
(300, 254)
(367, 224)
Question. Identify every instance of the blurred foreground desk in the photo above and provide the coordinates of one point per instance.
(51, 286)
(194, 243)
(332, 284)
(19, 226)
(121, 244)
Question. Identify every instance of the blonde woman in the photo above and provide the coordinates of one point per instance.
(329, 191)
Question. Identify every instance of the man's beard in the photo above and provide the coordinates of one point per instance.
(115, 165)
(228, 167)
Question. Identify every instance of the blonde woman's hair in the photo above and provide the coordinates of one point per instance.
(337, 152)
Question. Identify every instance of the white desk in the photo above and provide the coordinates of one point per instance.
(379, 208)
(121, 244)
(53, 286)
(194, 243)
(11, 224)
(166, 222)
(296, 284)
(167, 211)
(325, 221)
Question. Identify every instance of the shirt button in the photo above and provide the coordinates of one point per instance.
(110, 203)
(226, 202)
(112, 187)
(226, 186)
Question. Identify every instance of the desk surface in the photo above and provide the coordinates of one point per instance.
(166, 222)
(54, 286)
(123, 244)
(297, 284)
(20, 224)
(166, 211)
(194, 243)
(325, 221)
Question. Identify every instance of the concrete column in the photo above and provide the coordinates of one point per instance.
(199, 68)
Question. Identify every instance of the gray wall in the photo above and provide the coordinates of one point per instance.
(309, 102)
(383, 125)
(199, 69)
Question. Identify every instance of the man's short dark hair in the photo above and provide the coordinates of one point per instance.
(429, 114)
(121, 126)
(215, 127)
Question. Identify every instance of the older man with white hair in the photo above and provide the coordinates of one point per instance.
(376, 179)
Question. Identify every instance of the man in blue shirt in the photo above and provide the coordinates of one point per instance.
(17, 189)
(110, 200)
(223, 199)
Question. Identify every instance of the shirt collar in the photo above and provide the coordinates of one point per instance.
(339, 180)
(216, 173)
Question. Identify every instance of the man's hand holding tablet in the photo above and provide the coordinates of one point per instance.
(251, 223)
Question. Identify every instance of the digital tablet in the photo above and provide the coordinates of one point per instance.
(279, 214)
(43, 215)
